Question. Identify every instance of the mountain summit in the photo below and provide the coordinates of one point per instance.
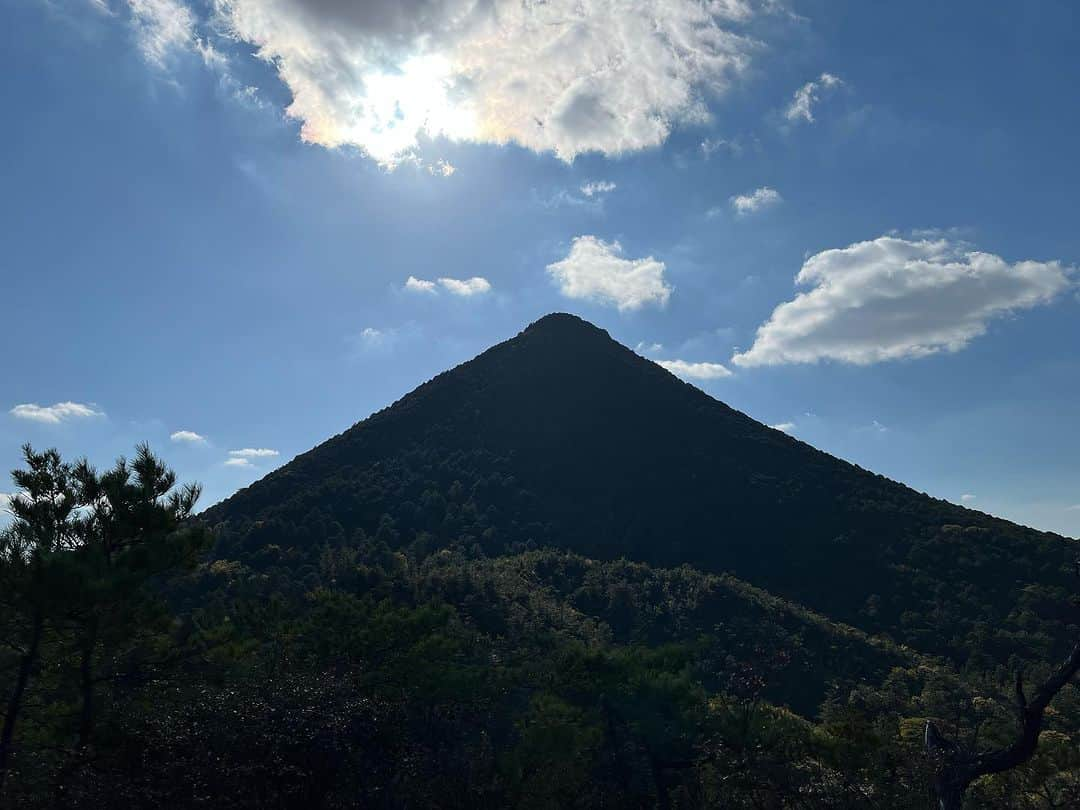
(563, 437)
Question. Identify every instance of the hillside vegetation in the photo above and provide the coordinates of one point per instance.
(555, 576)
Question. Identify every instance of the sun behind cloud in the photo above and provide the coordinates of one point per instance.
(564, 76)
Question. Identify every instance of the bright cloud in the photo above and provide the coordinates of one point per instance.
(562, 76)
(463, 287)
(238, 462)
(802, 103)
(967, 497)
(466, 287)
(442, 168)
(695, 371)
(595, 270)
(414, 284)
(757, 199)
(892, 298)
(162, 27)
(784, 427)
(254, 452)
(187, 437)
(597, 188)
(54, 414)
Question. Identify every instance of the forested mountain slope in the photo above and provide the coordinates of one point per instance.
(562, 437)
(555, 576)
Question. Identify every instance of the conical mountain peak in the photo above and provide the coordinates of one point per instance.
(565, 324)
(563, 437)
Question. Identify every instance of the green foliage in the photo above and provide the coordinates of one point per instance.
(435, 609)
(83, 626)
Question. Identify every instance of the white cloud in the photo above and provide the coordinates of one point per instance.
(892, 298)
(463, 287)
(442, 168)
(414, 284)
(254, 452)
(784, 427)
(372, 338)
(567, 198)
(695, 371)
(594, 270)
(802, 103)
(187, 437)
(648, 348)
(595, 188)
(163, 27)
(757, 199)
(967, 497)
(466, 287)
(562, 76)
(238, 462)
(54, 414)
(711, 146)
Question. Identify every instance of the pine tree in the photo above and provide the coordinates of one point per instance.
(46, 523)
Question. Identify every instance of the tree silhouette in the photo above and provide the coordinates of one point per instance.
(46, 521)
(957, 766)
(73, 569)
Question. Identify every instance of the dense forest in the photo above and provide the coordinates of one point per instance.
(555, 576)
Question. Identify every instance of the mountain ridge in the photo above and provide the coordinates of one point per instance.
(563, 437)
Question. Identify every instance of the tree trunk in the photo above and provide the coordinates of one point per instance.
(949, 793)
(26, 668)
(956, 767)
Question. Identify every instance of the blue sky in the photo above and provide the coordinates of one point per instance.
(856, 221)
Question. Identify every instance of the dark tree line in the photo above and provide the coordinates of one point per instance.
(146, 661)
(956, 766)
(74, 566)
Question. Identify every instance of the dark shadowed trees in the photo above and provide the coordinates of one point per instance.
(46, 521)
(74, 568)
(957, 766)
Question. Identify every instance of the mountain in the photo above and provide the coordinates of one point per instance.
(561, 437)
(553, 577)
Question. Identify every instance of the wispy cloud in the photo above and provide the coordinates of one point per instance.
(597, 188)
(254, 452)
(372, 338)
(466, 287)
(892, 298)
(784, 427)
(711, 146)
(187, 437)
(461, 287)
(806, 97)
(238, 462)
(967, 497)
(162, 28)
(755, 200)
(55, 414)
(595, 270)
(441, 168)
